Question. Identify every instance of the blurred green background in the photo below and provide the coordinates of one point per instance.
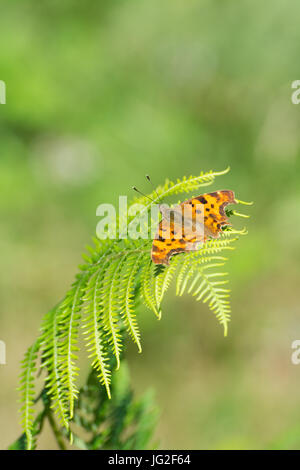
(100, 93)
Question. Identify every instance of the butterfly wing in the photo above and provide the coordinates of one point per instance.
(164, 248)
(211, 206)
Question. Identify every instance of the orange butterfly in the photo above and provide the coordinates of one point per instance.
(177, 233)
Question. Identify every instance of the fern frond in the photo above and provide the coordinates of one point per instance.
(94, 328)
(208, 290)
(27, 392)
(110, 306)
(127, 290)
(187, 269)
(70, 321)
(185, 185)
(148, 287)
(163, 280)
(114, 274)
(51, 360)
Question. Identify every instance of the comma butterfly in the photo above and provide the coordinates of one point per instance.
(183, 238)
(186, 226)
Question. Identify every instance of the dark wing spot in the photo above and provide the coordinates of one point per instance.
(216, 195)
(203, 200)
(212, 206)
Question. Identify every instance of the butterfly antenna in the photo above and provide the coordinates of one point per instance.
(148, 178)
(140, 192)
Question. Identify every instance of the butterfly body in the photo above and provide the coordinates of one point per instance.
(188, 225)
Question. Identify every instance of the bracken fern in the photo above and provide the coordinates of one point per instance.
(102, 301)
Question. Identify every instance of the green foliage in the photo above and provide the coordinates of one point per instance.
(27, 391)
(102, 301)
(120, 423)
(99, 422)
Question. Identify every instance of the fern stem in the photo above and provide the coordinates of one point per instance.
(57, 434)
